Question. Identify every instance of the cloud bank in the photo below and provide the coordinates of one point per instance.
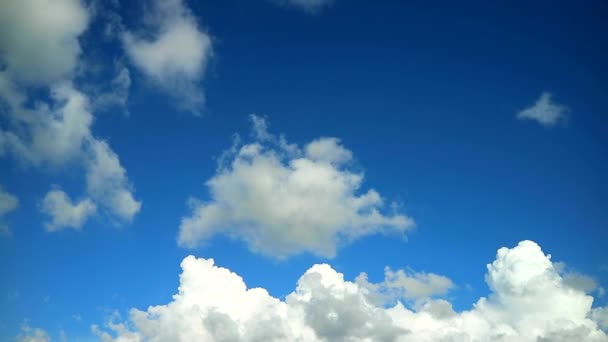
(175, 57)
(545, 111)
(528, 302)
(282, 199)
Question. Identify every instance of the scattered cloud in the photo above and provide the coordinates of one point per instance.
(8, 203)
(174, 58)
(309, 6)
(39, 38)
(545, 111)
(282, 199)
(58, 134)
(29, 334)
(528, 302)
(64, 213)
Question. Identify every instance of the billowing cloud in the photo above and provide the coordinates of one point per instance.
(528, 302)
(175, 56)
(310, 6)
(8, 203)
(39, 38)
(282, 199)
(64, 213)
(545, 111)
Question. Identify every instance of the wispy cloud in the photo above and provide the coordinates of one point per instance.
(545, 111)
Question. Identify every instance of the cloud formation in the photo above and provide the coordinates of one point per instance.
(282, 199)
(176, 56)
(310, 6)
(59, 133)
(64, 213)
(545, 111)
(8, 203)
(528, 302)
(39, 38)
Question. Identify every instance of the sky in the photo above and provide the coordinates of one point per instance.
(303, 170)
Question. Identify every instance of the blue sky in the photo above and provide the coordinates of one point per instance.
(136, 133)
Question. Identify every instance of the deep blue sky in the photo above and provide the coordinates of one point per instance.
(424, 94)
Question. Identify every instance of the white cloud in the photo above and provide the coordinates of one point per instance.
(283, 200)
(416, 287)
(176, 57)
(8, 203)
(59, 134)
(39, 38)
(310, 6)
(29, 334)
(545, 111)
(528, 302)
(64, 213)
(40, 50)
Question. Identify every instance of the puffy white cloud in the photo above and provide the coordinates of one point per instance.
(39, 38)
(545, 111)
(29, 334)
(39, 50)
(283, 200)
(64, 213)
(310, 6)
(175, 58)
(8, 203)
(107, 181)
(59, 134)
(528, 302)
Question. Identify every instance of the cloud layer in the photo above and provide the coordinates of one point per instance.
(174, 59)
(528, 302)
(282, 199)
(545, 111)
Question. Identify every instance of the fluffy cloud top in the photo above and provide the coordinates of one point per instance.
(176, 57)
(64, 213)
(310, 6)
(528, 302)
(39, 38)
(282, 200)
(545, 111)
(8, 203)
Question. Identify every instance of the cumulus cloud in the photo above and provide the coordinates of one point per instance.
(39, 38)
(545, 111)
(310, 6)
(174, 58)
(282, 199)
(59, 134)
(39, 50)
(8, 203)
(528, 302)
(64, 213)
